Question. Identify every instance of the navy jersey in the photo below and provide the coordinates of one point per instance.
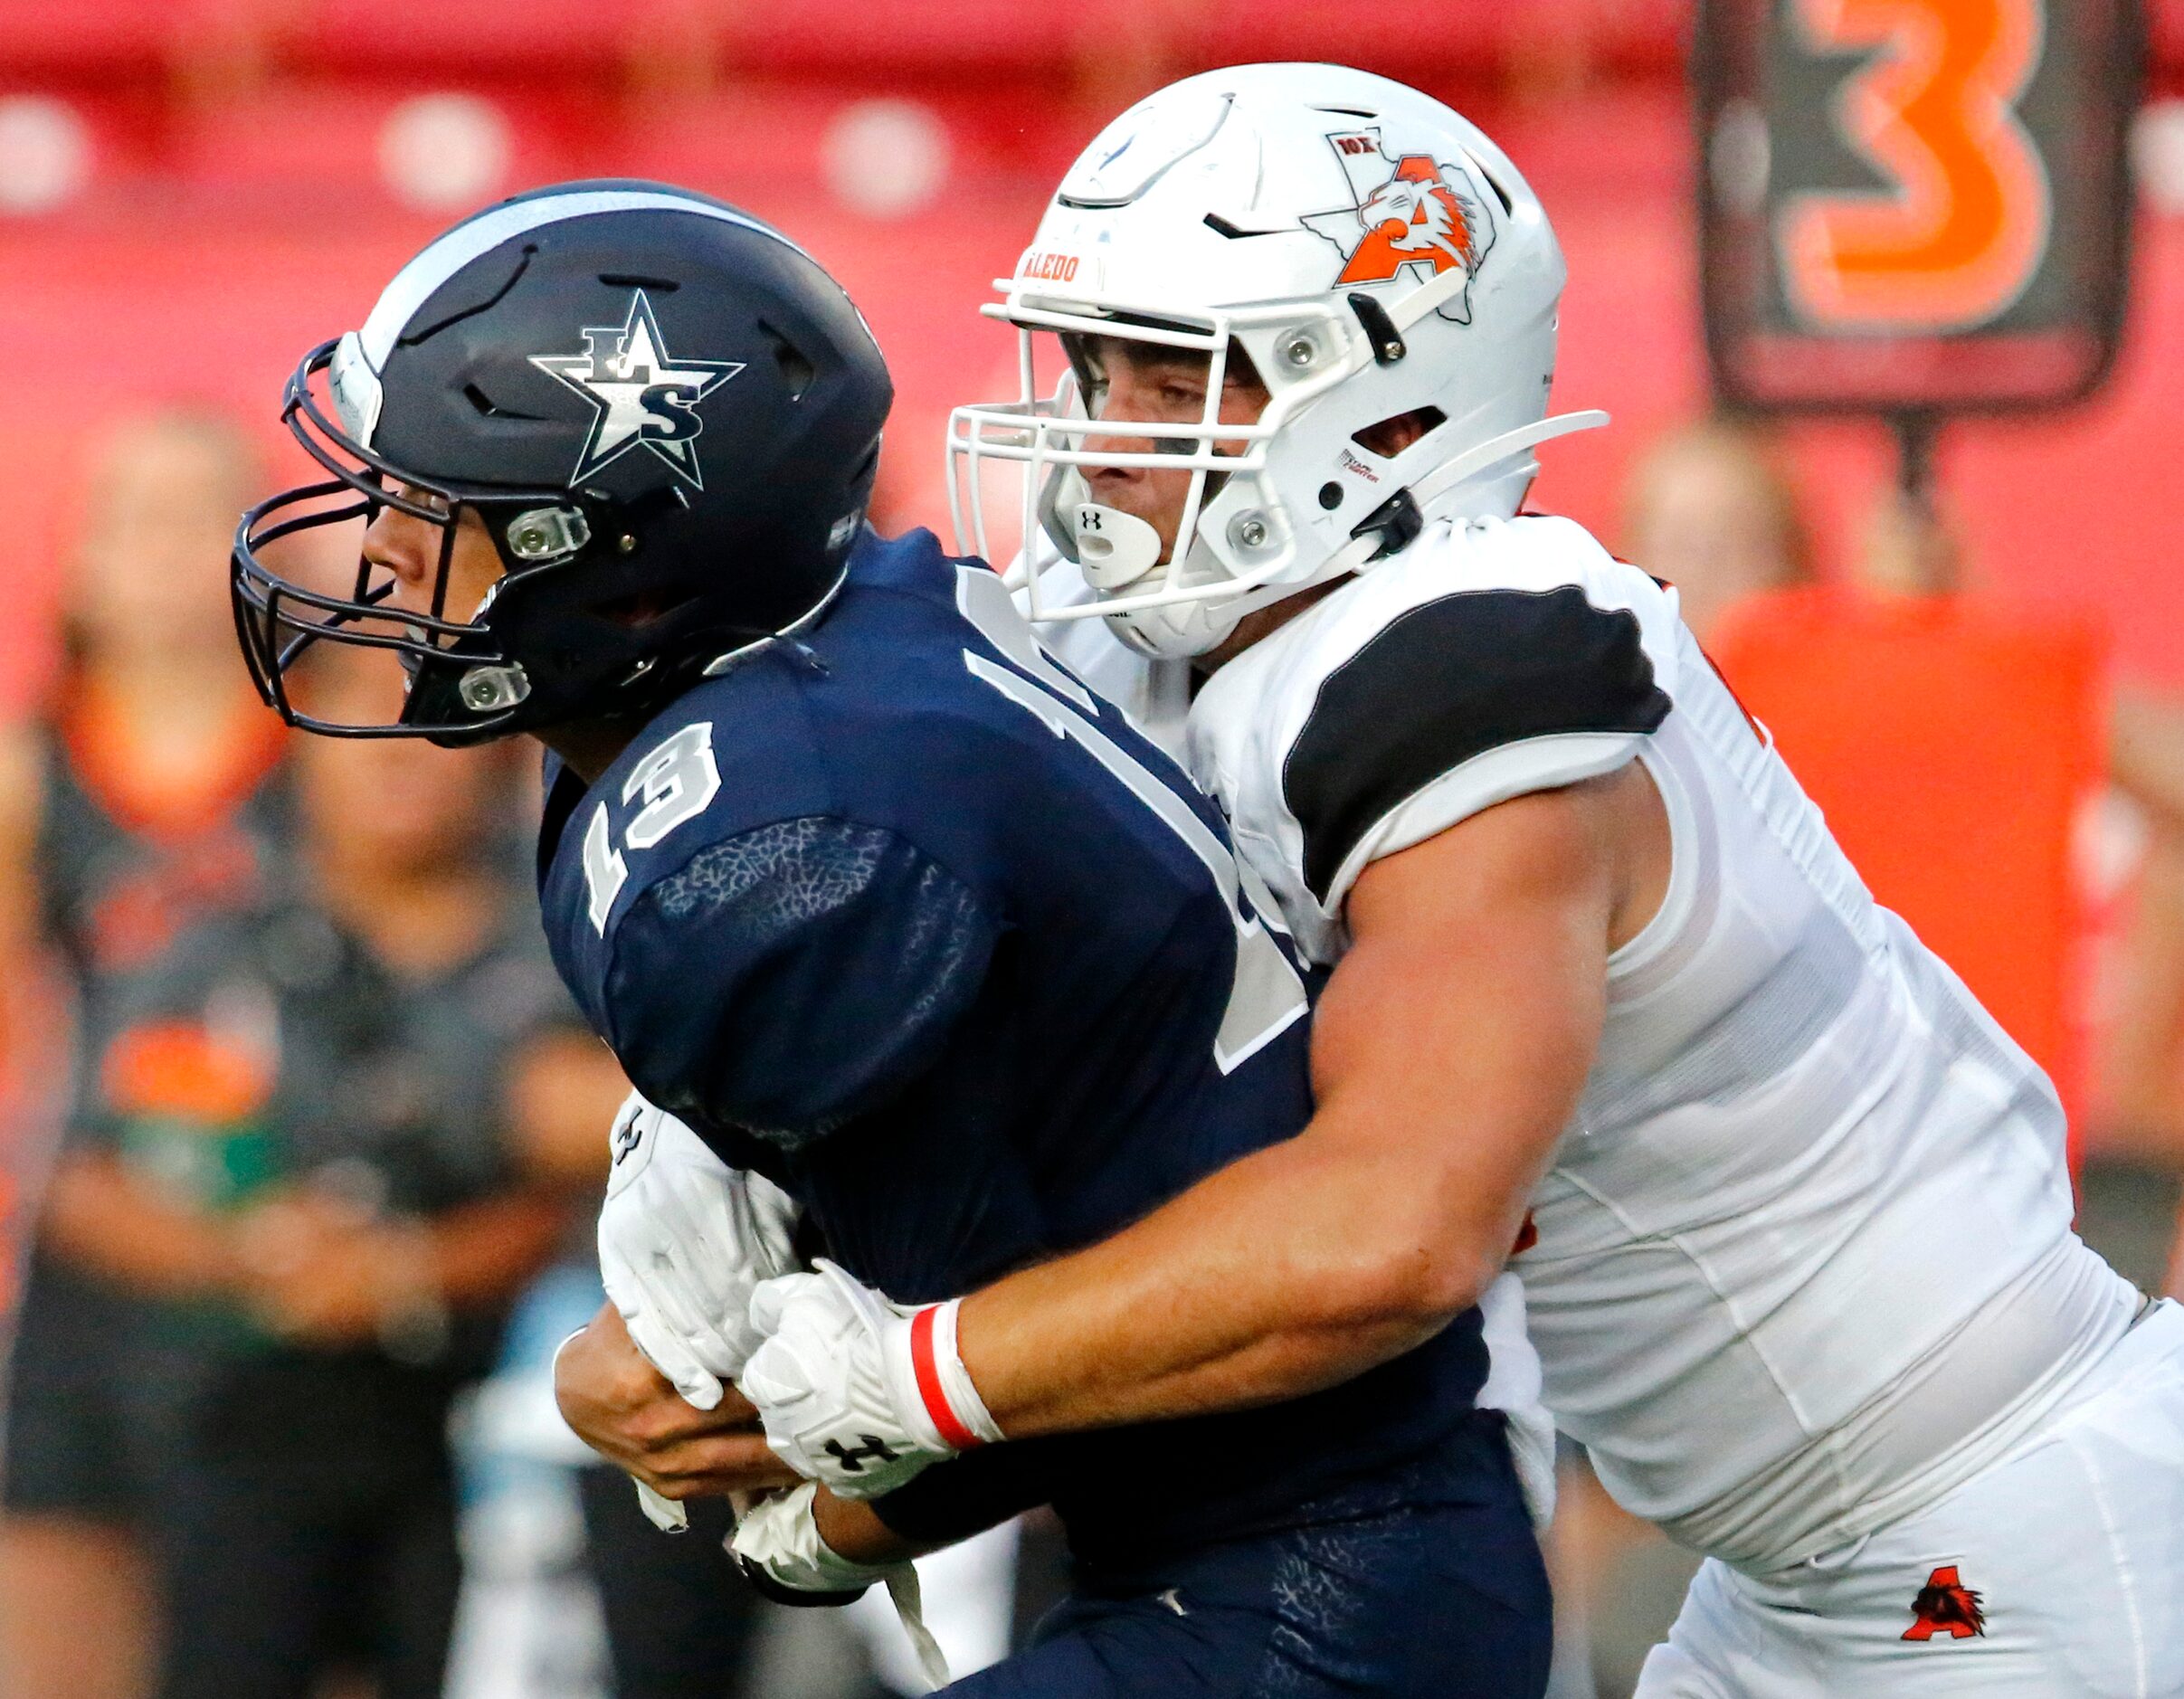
(905, 918)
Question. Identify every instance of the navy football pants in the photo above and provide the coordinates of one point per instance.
(1444, 1597)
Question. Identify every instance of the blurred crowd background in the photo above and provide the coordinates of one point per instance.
(299, 1143)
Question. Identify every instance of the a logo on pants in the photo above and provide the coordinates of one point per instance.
(1946, 1606)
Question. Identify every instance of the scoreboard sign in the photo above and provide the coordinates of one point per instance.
(1914, 206)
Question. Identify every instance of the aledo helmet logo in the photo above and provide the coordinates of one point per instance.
(1405, 216)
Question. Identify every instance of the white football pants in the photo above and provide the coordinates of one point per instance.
(2073, 1543)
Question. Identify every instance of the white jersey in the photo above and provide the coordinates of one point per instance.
(1804, 1257)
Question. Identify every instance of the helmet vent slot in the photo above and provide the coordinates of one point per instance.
(488, 408)
(1346, 111)
(1494, 183)
(639, 609)
(796, 368)
(630, 280)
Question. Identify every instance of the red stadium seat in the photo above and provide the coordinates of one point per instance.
(768, 140)
(914, 36)
(68, 35)
(316, 144)
(1474, 43)
(574, 41)
(317, 151)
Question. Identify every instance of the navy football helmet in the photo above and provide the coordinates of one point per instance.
(666, 415)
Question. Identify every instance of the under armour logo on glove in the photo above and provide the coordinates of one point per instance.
(854, 1390)
(871, 1449)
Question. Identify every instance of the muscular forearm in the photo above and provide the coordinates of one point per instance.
(1292, 1269)
(625, 1409)
(1448, 1051)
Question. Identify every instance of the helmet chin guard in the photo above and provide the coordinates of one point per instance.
(1369, 252)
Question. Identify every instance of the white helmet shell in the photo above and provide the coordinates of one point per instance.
(1370, 250)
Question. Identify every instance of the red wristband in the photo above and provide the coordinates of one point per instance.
(925, 1364)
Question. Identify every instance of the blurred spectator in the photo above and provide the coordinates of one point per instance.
(2131, 1176)
(1712, 508)
(148, 798)
(296, 1138)
(2134, 1176)
(2133, 1183)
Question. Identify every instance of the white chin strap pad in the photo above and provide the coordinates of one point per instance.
(1114, 548)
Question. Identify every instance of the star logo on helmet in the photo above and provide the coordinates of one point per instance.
(641, 396)
(1408, 218)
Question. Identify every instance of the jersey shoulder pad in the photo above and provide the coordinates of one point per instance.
(1499, 657)
(789, 978)
(757, 957)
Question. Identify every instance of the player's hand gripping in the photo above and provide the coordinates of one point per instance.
(683, 1241)
(857, 1392)
(619, 1405)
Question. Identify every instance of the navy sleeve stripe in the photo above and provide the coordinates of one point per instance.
(1449, 680)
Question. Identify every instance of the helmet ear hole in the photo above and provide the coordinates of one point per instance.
(1392, 436)
(639, 609)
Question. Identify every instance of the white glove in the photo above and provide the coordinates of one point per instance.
(778, 1544)
(854, 1390)
(683, 1241)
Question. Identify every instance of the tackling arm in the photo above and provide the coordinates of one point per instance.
(1449, 1052)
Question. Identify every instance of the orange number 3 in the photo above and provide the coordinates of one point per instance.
(1961, 233)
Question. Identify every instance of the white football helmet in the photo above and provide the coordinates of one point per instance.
(1371, 251)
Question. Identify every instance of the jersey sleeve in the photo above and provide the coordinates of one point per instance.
(790, 978)
(968, 1494)
(1461, 701)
